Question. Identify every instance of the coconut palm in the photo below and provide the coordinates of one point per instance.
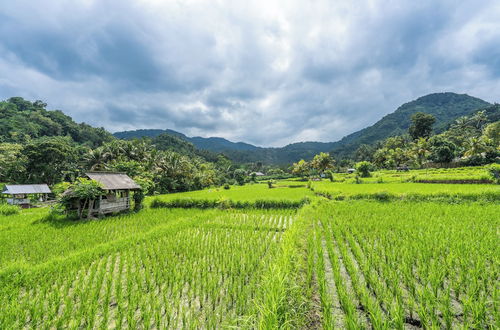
(96, 159)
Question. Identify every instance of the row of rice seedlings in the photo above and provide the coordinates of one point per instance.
(187, 278)
(443, 269)
(348, 301)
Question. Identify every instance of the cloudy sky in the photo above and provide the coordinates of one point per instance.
(265, 72)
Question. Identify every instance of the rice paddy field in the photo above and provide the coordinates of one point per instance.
(325, 255)
(460, 174)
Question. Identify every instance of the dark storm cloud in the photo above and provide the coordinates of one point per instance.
(269, 73)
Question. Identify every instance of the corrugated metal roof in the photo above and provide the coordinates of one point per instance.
(113, 180)
(14, 189)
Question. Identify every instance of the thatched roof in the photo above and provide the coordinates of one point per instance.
(18, 189)
(114, 180)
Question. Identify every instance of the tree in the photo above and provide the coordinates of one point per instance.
(322, 162)
(364, 152)
(12, 162)
(492, 132)
(82, 190)
(475, 147)
(50, 159)
(301, 168)
(96, 159)
(420, 151)
(442, 150)
(239, 175)
(421, 125)
(364, 168)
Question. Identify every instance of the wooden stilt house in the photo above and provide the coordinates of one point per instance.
(117, 188)
(114, 195)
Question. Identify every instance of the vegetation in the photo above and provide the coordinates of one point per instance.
(22, 121)
(120, 280)
(445, 107)
(364, 169)
(405, 264)
(6, 209)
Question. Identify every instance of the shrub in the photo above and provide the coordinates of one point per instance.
(382, 196)
(364, 168)
(228, 203)
(227, 186)
(138, 197)
(240, 176)
(6, 209)
(494, 171)
(329, 175)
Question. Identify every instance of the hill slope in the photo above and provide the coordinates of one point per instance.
(21, 120)
(446, 107)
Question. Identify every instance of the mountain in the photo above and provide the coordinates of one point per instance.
(446, 107)
(147, 133)
(214, 144)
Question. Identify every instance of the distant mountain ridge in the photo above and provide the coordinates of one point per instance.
(214, 144)
(446, 107)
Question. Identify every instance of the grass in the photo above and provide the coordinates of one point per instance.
(423, 264)
(411, 191)
(461, 174)
(286, 194)
(148, 278)
(6, 209)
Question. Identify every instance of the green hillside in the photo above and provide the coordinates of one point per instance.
(445, 107)
(22, 120)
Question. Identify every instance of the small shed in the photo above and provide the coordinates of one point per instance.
(22, 194)
(116, 188)
(259, 174)
(351, 170)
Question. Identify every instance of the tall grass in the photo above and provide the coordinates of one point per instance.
(228, 204)
(6, 209)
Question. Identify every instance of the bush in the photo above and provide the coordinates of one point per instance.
(227, 186)
(329, 175)
(228, 203)
(6, 209)
(364, 168)
(138, 197)
(494, 171)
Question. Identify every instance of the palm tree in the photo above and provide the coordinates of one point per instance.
(475, 146)
(421, 149)
(96, 159)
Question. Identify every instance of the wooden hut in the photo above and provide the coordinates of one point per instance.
(116, 188)
(22, 194)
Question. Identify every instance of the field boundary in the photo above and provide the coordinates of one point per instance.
(229, 204)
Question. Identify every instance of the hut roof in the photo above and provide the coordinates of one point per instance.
(15, 189)
(114, 180)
